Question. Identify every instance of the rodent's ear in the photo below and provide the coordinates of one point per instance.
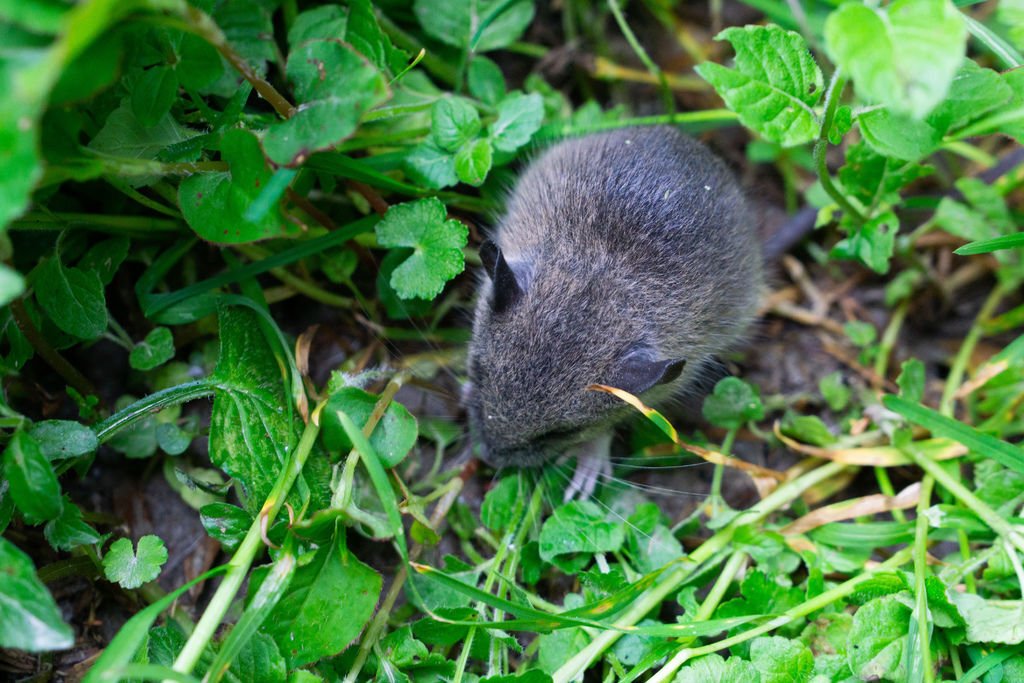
(505, 286)
(640, 369)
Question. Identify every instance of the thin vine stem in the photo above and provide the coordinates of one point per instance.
(627, 32)
(832, 95)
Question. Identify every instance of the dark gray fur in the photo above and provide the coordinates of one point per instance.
(630, 249)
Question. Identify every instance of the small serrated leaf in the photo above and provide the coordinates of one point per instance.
(132, 569)
(436, 242)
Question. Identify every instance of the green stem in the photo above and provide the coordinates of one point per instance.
(627, 32)
(49, 354)
(835, 90)
(674, 578)
(145, 407)
(963, 356)
(241, 561)
(131, 225)
(920, 576)
(999, 525)
(716, 478)
(892, 331)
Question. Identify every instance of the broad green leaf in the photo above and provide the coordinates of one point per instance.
(172, 439)
(714, 669)
(96, 69)
(781, 660)
(318, 23)
(990, 621)
(519, 117)
(578, 527)
(733, 403)
(153, 351)
(429, 165)
(105, 258)
(252, 430)
(225, 523)
(12, 285)
(807, 429)
(775, 84)
(834, 390)
(334, 87)
(486, 82)
(453, 123)
(877, 638)
(974, 92)
(199, 64)
(903, 56)
(875, 180)
(260, 661)
(473, 161)
(456, 22)
(63, 439)
(860, 333)
(502, 503)
(898, 136)
(131, 569)
(123, 135)
(984, 216)
(33, 483)
(69, 530)
(214, 204)
(329, 602)
(392, 438)
(911, 380)
(29, 617)
(395, 306)
(72, 298)
(872, 243)
(436, 242)
(154, 93)
(366, 36)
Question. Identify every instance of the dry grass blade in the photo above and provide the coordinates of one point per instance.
(855, 507)
(875, 456)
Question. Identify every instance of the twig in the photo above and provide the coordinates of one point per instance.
(49, 354)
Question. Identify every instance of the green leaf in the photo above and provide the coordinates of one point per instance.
(130, 569)
(898, 136)
(154, 93)
(124, 135)
(875, 180)
(328, 603)
(519, 117)
(12, 285)
(733, 403)
(455, 22)
(318, 23)
(860, 333)
(1015, 241)
(904, 56)
(781, 660)
(436, 241)
(172, 439)
(473, 162)
(335, 87)
(486, 82)
(395, 306)
(834, 390)
(225, 523)
(429, 165)
(155, 350)
(214, 204)
(502, 503)
(714, 669)
(72, 298)
(105, 258)
(807, 429)
(984, 216)
(877, 638)
(33, 483)
(911, 380)
(69, 530)
(578, 527)
(199, 64)
(252, 429)
(29, 617)
(63, 439)
(774, 86)
(872, 243)
(1004, 453)
(974, 92)
(392, 438)
(453, 123)
(365, 34)
(990, 621)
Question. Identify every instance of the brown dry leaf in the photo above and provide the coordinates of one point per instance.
(765, 480)
(855, 507)
(876, 456)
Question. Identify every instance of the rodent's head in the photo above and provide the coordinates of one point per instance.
(540, 339)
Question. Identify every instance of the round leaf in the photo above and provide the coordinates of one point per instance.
(392, 438)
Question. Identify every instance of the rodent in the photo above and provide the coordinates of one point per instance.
(627, 258)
